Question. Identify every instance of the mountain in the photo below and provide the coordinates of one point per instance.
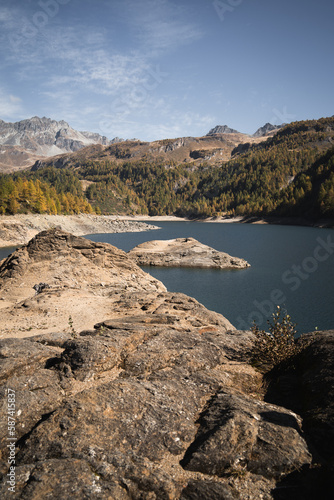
(216, 175)
(222, 129)
(23, 142)
(26, 142)
(267, 129)
(96, 138)
(212, 149)
(291, 174)
(311, 193)
(260, 179)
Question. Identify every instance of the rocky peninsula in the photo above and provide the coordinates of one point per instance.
(123, 390)
(19, 229)
(183, 252)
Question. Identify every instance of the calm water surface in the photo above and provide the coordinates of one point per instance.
(291, 266)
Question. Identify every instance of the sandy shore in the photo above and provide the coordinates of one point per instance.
(19, 229)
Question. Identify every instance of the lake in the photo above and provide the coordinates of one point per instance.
(291, 266)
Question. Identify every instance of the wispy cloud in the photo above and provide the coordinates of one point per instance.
(6, 15)
(164, 124)
(82, 76)
(159, 25)
(10, 105)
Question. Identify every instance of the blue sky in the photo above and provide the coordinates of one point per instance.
(155, 69)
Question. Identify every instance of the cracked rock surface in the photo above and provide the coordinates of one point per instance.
(155, 400)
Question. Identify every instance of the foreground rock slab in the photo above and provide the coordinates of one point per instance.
(156, 400)
(183, 252)
(83, 280)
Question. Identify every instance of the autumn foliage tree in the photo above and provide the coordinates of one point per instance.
(20, 195)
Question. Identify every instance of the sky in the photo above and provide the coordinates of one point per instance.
(154, 69)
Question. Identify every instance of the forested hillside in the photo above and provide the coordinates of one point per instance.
(262, 181)
(45, 192)
(312, 192)
(290, 174)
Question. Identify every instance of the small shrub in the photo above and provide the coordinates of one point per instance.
(273, 347)
(72, 329)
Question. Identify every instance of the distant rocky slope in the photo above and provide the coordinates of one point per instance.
(213, 149)
(21, 143)
(28, 141)
(267, 129)
(183, 252)
(158, 400)
(222, 129)
(19, 229)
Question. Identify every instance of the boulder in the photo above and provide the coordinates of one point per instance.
(306, 386)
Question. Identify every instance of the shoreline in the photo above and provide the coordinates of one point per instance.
(283, 221)
(16, 230)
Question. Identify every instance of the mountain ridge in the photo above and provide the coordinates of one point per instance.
(223, 129)
(256, 179)
(24, 142)
(267, 129)
(191, 177)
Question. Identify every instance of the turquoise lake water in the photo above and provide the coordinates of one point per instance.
(291, 266)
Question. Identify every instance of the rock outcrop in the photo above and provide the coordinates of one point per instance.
(306, 385)
(85, 280)
(183, 252)
(156, 400)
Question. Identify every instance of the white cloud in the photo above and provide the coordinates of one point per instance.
(82, 57)
(168, 124)
(77, 73)
(10, 105)
(14, 99)
(6, 15)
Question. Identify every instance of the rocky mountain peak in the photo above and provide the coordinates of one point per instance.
(222, 129)
(266, 129)
(44, 137)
